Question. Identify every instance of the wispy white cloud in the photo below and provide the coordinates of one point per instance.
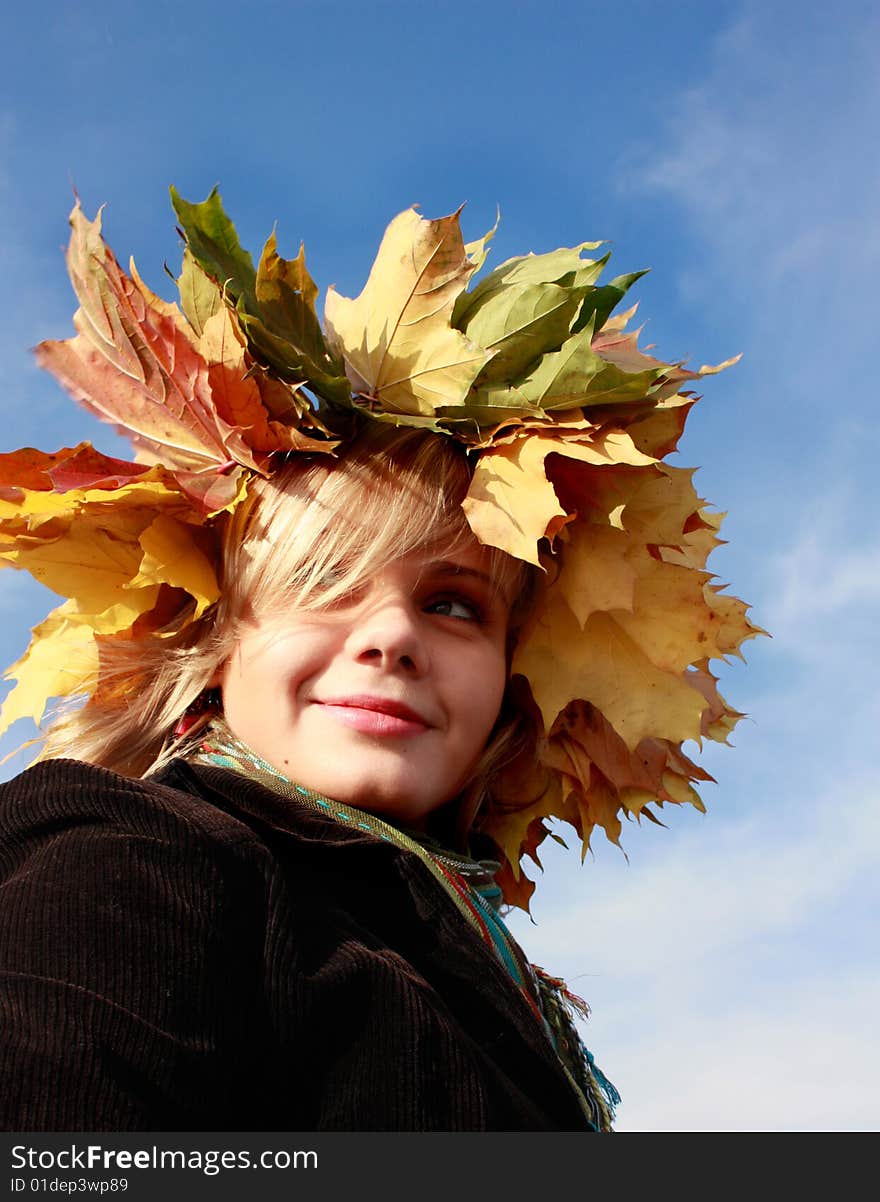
(801, 1056)
(730, 970)
(816, 584)
(715, 891)
(766, 154)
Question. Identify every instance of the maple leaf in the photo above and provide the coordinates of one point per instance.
(120, 544)
(611, 670)
(477, 250)
(598, 575)
(240, 396)
(521, 311)
(621, 350)
(172, 555)
(626, 585)
(518, 321)
(275, 303)
(719, 719)
(80, 476)
(92, 559)
(577, 374)
(511, 501)
(400, 352)
(599, 302)
(104, 548)
(539, 314)
(563, 267)
(596, 776)
(61, 660)
(200, 296)
(184, 395)
(671, 620)
(72, 467)
(136, 364)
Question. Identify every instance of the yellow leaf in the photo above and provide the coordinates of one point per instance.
(124, 614)
(155, 488)
(510, 501)
(657, 431)
(512, 834)
(610, 670)
(62, 659)
(595, 573)
(172, 556)
(719, 719)
(476, 251)
(92, 562)
(399, 348)
(697, 544)
(681, 791)
(734, 626)
(671, 621)
(88, 544)
(661, 506)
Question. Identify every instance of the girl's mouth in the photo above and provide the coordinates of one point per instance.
(376, 715)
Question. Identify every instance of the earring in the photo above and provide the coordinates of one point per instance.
(208, 703)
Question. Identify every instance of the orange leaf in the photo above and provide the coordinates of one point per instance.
(136, 363)
(72, 467)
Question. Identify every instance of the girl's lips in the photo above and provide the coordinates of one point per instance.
(376, 716)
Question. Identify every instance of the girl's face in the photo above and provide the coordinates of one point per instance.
(386, 700)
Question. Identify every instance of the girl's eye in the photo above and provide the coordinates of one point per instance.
(455, 607)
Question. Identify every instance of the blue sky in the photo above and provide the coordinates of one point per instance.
(731, 962)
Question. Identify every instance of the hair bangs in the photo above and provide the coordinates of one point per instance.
(319, 527)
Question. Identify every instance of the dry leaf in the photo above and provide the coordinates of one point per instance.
(61, 660)
(610, 670)
(400, 352)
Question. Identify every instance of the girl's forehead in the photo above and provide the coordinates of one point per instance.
(462, 555)
(462, 551)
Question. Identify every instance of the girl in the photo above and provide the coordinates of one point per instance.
(333, 689)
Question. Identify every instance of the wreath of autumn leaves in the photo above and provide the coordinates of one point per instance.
(568, 422)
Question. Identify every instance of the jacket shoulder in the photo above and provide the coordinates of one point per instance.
(58, 795)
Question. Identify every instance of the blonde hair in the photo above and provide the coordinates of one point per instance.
(303, 538)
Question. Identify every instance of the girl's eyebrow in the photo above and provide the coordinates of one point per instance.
(448, 567)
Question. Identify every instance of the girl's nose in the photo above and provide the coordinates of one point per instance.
(387, 632)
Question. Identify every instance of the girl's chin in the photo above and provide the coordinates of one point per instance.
(399, 797)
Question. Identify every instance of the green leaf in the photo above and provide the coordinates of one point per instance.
(290, 363)
(562, 266)
(275, 304)
(572, 376)
(212, 239)
(200, 296)
(284, 326)
(520, 323)
(486, 409)
(421, 421)
(600, 303)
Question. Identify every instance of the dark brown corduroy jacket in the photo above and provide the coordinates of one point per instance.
(194, 952)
